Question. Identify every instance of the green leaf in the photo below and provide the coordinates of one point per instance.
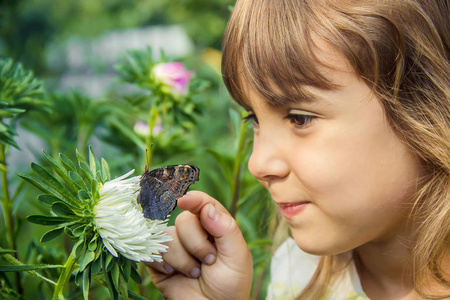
(115, 276)
(10, 112)
(109, 261)
(76, 178)
(86, 283)
(83, 195)
(49, 184)
(68, 232)
(86, 172)
(107, 275)
(51, 234)
(52, 182)
(135, 296)
(67, 163)
(110, 284)
(123, 287)
(80, 157)
(121, 260)
(19, 91)
(96, 266)
(49, 220)
(78, 231)
(94, 189)
(77, 248)
(7, 251)
(62, 173)
(37, 182)
(61, 209)
(48, 200)
(106, 173)
(78, 278)
(12, 260)
(135, 276)
(21, 268)
(92, 246)
(92, 163)
(126, 270)
(86, 259)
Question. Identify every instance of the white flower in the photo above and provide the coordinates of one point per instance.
(121, 223)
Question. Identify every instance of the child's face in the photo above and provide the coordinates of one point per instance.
(338, 172)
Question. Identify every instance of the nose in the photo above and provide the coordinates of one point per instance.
(268, 161)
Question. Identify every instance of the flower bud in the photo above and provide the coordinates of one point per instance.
(173, 76)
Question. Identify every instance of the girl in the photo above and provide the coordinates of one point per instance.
(350, 104)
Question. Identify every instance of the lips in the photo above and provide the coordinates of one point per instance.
(291, 209)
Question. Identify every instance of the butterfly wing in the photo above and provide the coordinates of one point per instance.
(178, 178)
(161, 188)
(155, 198)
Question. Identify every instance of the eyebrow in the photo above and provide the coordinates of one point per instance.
(305, 94)
(308, 96)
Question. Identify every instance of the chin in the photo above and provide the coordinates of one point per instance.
(319, 247)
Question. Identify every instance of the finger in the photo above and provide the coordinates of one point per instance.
(194, 201)
(227, 236)
(179, 258)
(216, 220)
(194, 237)
(161, 267)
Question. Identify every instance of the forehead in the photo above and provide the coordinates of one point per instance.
(279, 56)
(332, 66)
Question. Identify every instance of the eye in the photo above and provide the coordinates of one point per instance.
(300, 118)
(251, 117)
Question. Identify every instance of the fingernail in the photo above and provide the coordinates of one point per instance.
(168, 268)
(195, 273)
(212, 212)
(210, 259)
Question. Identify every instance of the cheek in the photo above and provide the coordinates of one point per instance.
(357, 170)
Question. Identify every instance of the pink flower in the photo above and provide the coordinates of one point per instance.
(173, 76)
(142, 128)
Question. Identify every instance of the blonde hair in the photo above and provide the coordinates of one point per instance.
(401, 48)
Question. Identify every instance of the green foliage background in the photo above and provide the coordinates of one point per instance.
(207, 132)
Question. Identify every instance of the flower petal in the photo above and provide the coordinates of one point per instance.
(121, 223)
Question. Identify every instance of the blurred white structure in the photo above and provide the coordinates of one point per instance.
(82, 57)
(89, 66)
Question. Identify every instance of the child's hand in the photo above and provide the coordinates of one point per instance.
(208, 257)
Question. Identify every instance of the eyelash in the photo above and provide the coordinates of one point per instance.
(298, 120)
(250, 118)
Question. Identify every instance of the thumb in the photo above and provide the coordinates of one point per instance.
(228, 238)
(216, 220)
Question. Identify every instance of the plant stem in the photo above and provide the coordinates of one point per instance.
(66, 273)
(6, 202)
(84, 132)
(236, 184)
(7, 213)
(14, 261)
(153, 115)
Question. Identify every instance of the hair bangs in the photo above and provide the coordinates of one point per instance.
(271, 53)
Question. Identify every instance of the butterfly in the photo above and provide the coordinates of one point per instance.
(162, 187)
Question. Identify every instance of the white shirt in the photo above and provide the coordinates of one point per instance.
(292, 269)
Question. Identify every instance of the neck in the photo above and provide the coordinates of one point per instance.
(385, 267)
(386, 270)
